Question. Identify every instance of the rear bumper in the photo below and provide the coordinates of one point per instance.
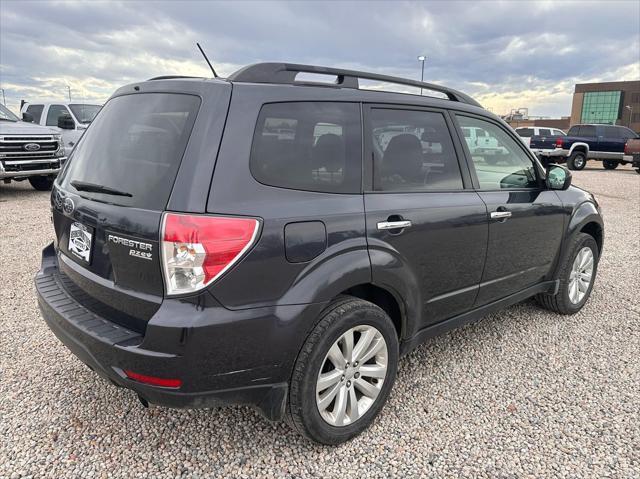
(221, 357)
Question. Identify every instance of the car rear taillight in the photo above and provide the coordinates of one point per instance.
(558, 142)
(626, 148)
(196, 250)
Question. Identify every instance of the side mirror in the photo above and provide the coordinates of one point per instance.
(28, 117)
(66, 122)
(558, 177)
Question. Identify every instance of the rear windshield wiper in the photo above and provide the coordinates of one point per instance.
(93, 188)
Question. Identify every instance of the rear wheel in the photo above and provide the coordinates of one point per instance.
(577, 160)
(577, 275)
(344, 373)
(610, 164)
(41, 183)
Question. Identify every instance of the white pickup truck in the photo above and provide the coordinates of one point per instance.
(29, 152)
(68, 119)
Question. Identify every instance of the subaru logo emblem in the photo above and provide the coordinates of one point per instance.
(68, 206)
(31, 147)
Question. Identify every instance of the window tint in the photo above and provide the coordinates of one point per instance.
(313, 146)
(36, 112)
(544, 132)
(525, 132)
(574, 131)
(135, 145)
(56, 111)
(412, 151)
(612, 132)
(499, 161)
(588, 131)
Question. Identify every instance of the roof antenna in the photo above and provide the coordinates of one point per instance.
(215, 75)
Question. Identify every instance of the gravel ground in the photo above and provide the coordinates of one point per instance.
(522, 393)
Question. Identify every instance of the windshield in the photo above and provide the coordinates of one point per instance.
(85, 113)
(131, 154)
(6, 115)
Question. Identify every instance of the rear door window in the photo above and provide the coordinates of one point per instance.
(412, 151)
(312, 146)
(134, 147)
(588, 131)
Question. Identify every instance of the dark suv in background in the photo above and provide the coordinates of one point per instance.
(277, 242)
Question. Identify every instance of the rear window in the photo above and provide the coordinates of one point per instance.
(544, 132)
(134, 146)
(312, 146)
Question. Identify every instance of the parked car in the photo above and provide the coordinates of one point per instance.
(200, 259)
(526, 132)
(632, 153)
(28, 152)
(481, 143)
(585, 142)
(68, 119)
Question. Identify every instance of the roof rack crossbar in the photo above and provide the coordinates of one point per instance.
(285, 73)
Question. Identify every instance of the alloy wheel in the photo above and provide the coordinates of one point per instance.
(581, 275)
(351, 375)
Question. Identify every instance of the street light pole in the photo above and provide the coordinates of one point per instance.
(630, 108)
(69, 88)
(422, 58)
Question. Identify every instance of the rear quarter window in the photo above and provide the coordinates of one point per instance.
(312, 146)
(525, 132)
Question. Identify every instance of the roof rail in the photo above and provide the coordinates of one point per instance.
(171, 77)
(285, 73)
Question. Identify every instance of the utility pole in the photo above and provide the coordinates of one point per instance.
(422, 58)
(69, 89)
(4, 100)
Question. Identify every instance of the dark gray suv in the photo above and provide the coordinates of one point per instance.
(273, 241)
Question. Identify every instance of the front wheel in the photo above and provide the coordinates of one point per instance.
(344, 373)
(610, 164)
(577, 275)
(41, 183)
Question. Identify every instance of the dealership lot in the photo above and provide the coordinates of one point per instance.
(522, 393)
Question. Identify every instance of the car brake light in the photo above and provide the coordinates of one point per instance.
(154, 380)
(626, 148)
(558, 142)
(196, 250)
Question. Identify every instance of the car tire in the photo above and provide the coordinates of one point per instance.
(41, 183)
(564, 301)
(610, 164)
(337, 420)
(577, 160)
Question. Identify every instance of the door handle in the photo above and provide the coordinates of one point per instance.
(500, 215)
(393, 225)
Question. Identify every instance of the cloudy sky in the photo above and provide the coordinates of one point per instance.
(506, 54)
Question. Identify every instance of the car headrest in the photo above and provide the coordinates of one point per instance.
(329, 152)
